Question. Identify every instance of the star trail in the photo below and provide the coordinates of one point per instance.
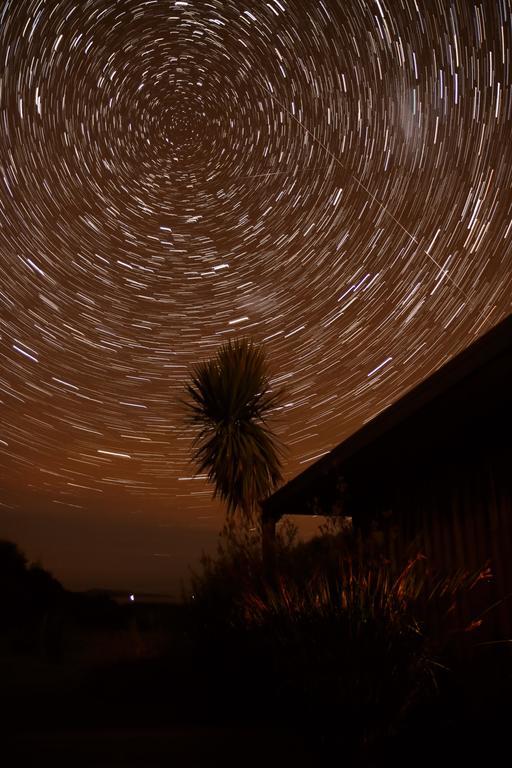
(332, 178)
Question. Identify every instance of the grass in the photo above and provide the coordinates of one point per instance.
(343, 653)
(345, 647)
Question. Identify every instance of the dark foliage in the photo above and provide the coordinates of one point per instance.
(336, 643)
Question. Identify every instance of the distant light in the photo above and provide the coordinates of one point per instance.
(132, 598)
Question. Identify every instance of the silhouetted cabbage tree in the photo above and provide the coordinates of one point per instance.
(229, 401)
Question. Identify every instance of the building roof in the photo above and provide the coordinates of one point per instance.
(491, 345)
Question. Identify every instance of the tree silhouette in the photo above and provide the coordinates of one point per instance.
(229, 400)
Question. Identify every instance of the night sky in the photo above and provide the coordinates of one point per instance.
(331, 178)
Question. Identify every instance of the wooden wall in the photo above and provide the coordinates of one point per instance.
(460, 517)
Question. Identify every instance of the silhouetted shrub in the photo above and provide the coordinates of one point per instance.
(28, 594)
(338, 643)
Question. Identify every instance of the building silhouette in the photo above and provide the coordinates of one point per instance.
(431, 474)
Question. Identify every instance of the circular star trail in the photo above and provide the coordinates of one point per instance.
(330, 178)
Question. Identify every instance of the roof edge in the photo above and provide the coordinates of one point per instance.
(489, 345)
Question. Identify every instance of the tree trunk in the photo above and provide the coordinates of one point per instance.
(268, 542)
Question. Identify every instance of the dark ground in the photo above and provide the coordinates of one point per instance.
(190, 748)
(130, 689)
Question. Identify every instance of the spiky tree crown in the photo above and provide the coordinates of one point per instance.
(230, 399)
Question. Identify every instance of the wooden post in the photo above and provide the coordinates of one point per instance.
(268, 542)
